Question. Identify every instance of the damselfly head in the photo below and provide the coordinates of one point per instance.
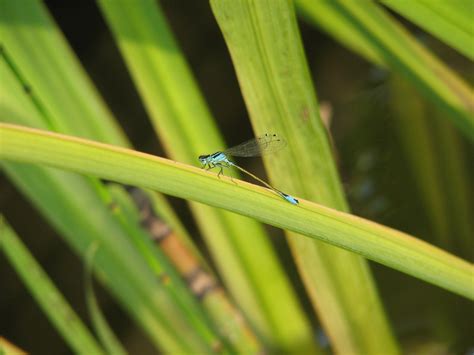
(203, 159)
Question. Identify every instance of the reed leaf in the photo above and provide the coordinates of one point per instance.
(371, 240)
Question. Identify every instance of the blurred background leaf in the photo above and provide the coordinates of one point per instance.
(450, 21)
(369, 30)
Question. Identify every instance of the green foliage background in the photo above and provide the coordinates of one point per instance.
(394, 93)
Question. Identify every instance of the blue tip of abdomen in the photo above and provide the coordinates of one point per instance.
(290, 199)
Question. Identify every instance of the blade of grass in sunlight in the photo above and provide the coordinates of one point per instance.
(87, 116)
(53, 74)
(367, 29)
(450, 21)
(267, 53)
(48, 297)
(8, 348)
(376, 242)
(185, 127)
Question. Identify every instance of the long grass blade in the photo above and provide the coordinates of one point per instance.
(374, 241)
(8, 348)
(49, 298)
(102, 328)
(52, 73)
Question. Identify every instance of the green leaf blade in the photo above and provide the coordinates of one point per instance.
(52, 302)
(450, 21)
(374, 241)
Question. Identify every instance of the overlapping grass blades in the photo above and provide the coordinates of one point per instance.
(70, 326)
(450, 21)
(266, 50)
(376, 242)
(43, 86)
(367, 29)
(30, 86)
(340, 23)
(238, 245)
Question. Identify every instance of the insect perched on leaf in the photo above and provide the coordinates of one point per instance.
(266, 144)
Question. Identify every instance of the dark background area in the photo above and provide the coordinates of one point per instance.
(372, 167)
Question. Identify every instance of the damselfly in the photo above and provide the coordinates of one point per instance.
(268, 143)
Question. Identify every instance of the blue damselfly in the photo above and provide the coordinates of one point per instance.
(266, 144)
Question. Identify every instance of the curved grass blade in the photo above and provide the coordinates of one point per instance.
(103, 330)
(374, 241)
(48, 297)
(8, 348)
